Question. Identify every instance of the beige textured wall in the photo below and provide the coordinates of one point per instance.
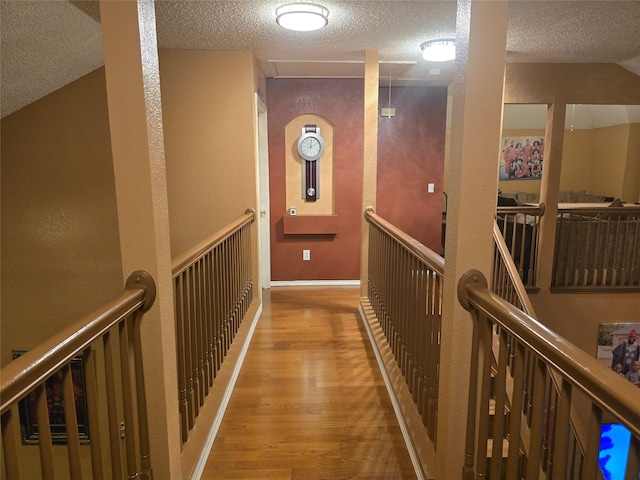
(576, 162)
(208, 113)
(607, 159)
(59, 218)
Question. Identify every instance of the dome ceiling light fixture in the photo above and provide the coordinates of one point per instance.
(302, 17)
(439, 50)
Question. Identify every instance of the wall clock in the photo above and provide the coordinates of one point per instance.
(310, 149)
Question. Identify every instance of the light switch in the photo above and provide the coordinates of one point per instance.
(431, 188)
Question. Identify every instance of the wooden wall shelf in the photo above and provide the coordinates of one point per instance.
(310, 224)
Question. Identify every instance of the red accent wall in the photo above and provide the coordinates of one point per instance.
(340, 101)
(411, 155)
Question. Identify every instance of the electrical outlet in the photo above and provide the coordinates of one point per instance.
(431, 188)
(306, 254)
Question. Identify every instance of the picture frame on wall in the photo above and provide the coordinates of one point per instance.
(522, 158)
(27, 407)
(613, 340)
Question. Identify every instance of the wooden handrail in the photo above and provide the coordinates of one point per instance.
(604, 387)
(434, 261)
(537, 210)
(180, 263)
(629, 210)
(35, 366)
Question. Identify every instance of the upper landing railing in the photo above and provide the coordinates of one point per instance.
(405, 290)
(213, 288)
(596, 248)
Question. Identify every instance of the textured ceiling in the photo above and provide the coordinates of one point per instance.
(46, 44)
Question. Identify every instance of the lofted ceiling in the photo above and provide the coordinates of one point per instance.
(47, 44)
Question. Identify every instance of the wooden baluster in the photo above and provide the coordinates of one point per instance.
(219, 313)
(193, 384)
(561, 432)
(179, 308)
(112, 409)
(472, 411)
(141, 396)
(515, 422)
(420, 336)
(44, 433)
(537, 420)
(403, 311)
(606, 254)
(71, 423)
(211, 369)
(616, 249)
(10, 443)
(499, 393)
(590, 467)
(128, 400)
(202, 339)
(597, 251)
(93, 414)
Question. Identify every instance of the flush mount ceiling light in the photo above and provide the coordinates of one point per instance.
(302, 17)
(439, 50)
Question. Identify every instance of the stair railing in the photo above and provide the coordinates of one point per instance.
(69, 388)
(551, 450)
(506, 279)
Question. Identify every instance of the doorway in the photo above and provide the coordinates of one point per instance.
(262, 182)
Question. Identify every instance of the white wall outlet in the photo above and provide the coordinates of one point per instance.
(292, 211)
(306, 254)
(431, 188)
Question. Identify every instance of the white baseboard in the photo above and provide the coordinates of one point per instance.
(316, 283)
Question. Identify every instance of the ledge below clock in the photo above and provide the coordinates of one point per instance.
(310, 224)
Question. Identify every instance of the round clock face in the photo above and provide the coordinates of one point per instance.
(310, 146)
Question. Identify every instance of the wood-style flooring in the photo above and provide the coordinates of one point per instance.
(310, 402)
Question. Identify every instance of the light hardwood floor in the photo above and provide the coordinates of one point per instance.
(310, 402)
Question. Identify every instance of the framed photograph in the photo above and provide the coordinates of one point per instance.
(619, 347)
(53, 387)
(521, 158)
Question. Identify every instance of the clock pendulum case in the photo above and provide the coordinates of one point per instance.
(310, 148)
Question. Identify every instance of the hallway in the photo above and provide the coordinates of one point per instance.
(310, 402)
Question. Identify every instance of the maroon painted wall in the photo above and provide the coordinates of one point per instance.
(411, 155)
(340, 101)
